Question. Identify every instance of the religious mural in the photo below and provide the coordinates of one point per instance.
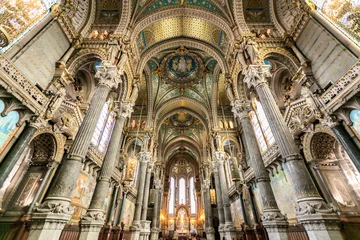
(128, 213)
(82, 194)
(236, 212)
(345, 14)
(285, 194)
(7, 126)
(17, 17)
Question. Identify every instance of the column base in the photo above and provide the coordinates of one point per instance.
(277, 230)
(145, 230)
(210, 233)
(90, 229)
(135, 230)
(321, 227)
(229, 231)
(154, 235)
(46, 226)
(221, 231)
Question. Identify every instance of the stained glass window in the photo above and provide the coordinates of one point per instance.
(104, 127)
(17, 17)
(344, 14)
(7, 126)
(172, 196)
(182, 193)
(192, 197)
(355, 119)
(261, 126)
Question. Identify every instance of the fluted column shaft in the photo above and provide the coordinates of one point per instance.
(145, 157)
(219, 200)
(156, 212)
(72, 165)
(146, 192)
(311, 207)
(103, 183)
(220, 156)
(12, 157)
(270, 207)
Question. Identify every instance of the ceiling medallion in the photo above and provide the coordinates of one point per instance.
(182, 68)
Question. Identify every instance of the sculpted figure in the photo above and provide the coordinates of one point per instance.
(135, 90)
(56, 102)
(113, 53)
(241, 54)
(251, 51)
(123, 59)
(310, 99)
(229, 90)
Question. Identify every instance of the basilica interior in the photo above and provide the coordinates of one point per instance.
(179, 119)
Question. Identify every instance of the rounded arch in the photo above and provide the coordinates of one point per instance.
(182, 12)
(181, 141)
(283, 56)
(170, 164)
(51, 142)
(130, 141)
(82, 57)
(175, 42)
(169, 113)
(185, 103)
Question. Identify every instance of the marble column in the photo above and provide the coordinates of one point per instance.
(50, 217)
(219, 201)
(210, 232)
(156, 211)
(273, 220)
(229, 227)
(136, 224)
(345, 139)
(12, 157)
(119, 200)
(318, 218)
(110, 219)
(145, 232)
(94, 218)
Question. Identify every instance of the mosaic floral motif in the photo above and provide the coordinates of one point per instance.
(17, 17)
(355, 118)
(7, 126)
(345, 14)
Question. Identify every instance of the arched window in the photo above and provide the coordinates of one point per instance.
(182, 193)
(344, 14)
(172, 196)
(7, 126)
(104, 127)
(261, 126)
(355, 119)
(18, 17)
(192, 197)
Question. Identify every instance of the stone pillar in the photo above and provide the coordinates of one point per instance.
(219, 201)
(318, 218)
(94, 218)
(119, 200)
(156, 215)
(345, 140)
(136, 225)
(210, 232)
(110, 219)
(50, 217)
(275, 223)
(229, 227)
(12, 157)
(144, 233)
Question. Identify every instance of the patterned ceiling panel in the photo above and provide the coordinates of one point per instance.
(161, 4)
(176, 27)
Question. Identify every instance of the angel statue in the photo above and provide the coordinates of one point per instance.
(55, 103)
(251, 52)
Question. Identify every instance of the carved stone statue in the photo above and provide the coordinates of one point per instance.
(241, 55)
(229, 89)
(310, 99)
(123, 59)
(55, 103)
(113, 53)
(251, 52)
(135, 90)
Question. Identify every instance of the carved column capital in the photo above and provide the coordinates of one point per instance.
(329, 121)
(107, 75)
(124, 109)
(256, 75)
(206, 184)
(240, 109)
(145, 157)
(219, 156)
